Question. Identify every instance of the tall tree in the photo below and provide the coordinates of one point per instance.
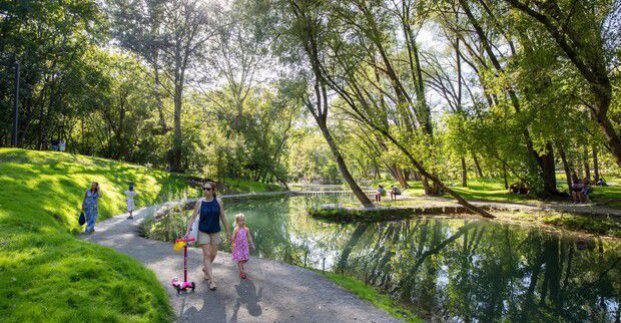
(579, 29)
(172, 33)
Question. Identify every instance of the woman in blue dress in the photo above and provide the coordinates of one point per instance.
(90, 207)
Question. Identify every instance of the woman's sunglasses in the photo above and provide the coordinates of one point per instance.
(206, 188)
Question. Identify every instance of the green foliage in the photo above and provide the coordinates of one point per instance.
(46, 273)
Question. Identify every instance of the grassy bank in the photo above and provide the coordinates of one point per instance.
(493, 190)
(235, 186)
(46, 273)
(371, 294)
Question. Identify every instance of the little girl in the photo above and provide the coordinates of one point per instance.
(129, 195)
(241, 237)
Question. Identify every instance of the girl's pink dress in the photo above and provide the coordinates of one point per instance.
(241, 252)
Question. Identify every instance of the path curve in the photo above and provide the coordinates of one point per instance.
(274, 292)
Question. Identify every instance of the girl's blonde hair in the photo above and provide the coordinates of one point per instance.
(239, 216)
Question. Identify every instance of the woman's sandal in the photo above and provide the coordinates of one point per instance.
(205, 276)
(212, 285)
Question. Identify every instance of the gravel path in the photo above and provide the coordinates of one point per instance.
(273, 292)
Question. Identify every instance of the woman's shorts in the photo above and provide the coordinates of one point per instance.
(208, 238)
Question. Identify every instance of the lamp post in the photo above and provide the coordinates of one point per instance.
(15, 101)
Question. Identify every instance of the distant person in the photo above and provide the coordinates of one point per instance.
(394, 191)
(241, 240)
(90, 206)
(62, 146)
(601, 182)
(586, 190)
(577, 188)
(54, 144)
(210, 212)
(129, 200)
(380, 192)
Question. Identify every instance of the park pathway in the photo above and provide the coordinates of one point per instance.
(273, 292)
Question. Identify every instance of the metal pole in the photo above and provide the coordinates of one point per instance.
(15, 106)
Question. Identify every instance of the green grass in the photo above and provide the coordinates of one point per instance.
(600, 226)
(234, 186)
(493, 190)
(371, 294)
(46, 273)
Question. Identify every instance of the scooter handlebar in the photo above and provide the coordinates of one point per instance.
(186, 239)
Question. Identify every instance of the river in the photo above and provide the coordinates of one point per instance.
(459, 270)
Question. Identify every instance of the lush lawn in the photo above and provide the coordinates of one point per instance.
(494, 190)
(46, 273)
(371, 294)
(234, 186)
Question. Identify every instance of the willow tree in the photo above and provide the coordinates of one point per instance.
(342, 65)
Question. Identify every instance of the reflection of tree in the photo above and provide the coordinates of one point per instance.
(451, 269)
(486, 272)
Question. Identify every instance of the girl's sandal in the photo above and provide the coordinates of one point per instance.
(242, 275)
(212, 285)
(205, 276)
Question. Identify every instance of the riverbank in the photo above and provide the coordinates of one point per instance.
(582, 218)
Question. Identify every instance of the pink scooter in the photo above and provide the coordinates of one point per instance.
(185, 285)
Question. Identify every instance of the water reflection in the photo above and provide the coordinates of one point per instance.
(450, 270)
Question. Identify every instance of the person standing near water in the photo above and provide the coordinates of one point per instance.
(90, 207)
(210, 211)
(241, 242)
(129, 199)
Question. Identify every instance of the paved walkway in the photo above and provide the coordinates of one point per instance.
(273, 292)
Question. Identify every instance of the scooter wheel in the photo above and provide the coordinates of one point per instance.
(193, 286)
(178, 289)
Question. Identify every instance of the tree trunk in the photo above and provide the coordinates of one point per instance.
(398, 175)
(158, 96)
(549, 171)
(175, 160)
(426, 175)
(565, 166)
(585, 159)
(477, 165)
(362, 197)
(464, 173)
(595, 164)
(504, 175)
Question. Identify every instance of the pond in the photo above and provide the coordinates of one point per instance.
(449, 269)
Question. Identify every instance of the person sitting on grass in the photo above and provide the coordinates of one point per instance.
(394, 191)
(241, 240)
(586, 190)
(577, 190)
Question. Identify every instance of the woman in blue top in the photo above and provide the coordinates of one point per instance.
(211, 211)
(89, 207)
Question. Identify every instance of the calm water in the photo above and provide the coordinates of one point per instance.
(450, 269)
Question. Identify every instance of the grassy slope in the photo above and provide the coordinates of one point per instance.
(234, 186)
(372, 295)
(46, 273)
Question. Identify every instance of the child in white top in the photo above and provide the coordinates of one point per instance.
(129, 194)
